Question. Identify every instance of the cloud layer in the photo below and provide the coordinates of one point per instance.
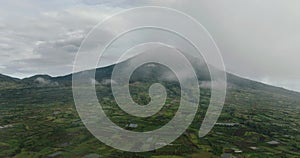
(258, 39)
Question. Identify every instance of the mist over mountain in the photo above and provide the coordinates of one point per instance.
(147, 72)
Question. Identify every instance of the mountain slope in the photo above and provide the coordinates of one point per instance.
(38, 117)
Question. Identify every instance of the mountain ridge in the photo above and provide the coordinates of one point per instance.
(231, 78)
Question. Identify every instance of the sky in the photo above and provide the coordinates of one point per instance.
(258, 39)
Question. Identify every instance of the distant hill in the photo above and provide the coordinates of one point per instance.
(9, 82)
(4, 78)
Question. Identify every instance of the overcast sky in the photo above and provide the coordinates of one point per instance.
(258, 39)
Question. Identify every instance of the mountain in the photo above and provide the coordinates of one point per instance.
(38, 117)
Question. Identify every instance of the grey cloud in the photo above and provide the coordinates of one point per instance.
(258, 39)
(52, 56)
(115, 3)
(46, 42)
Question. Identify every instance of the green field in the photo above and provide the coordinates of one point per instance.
(44, 122)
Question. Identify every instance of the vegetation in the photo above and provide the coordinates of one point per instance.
(40, 120)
